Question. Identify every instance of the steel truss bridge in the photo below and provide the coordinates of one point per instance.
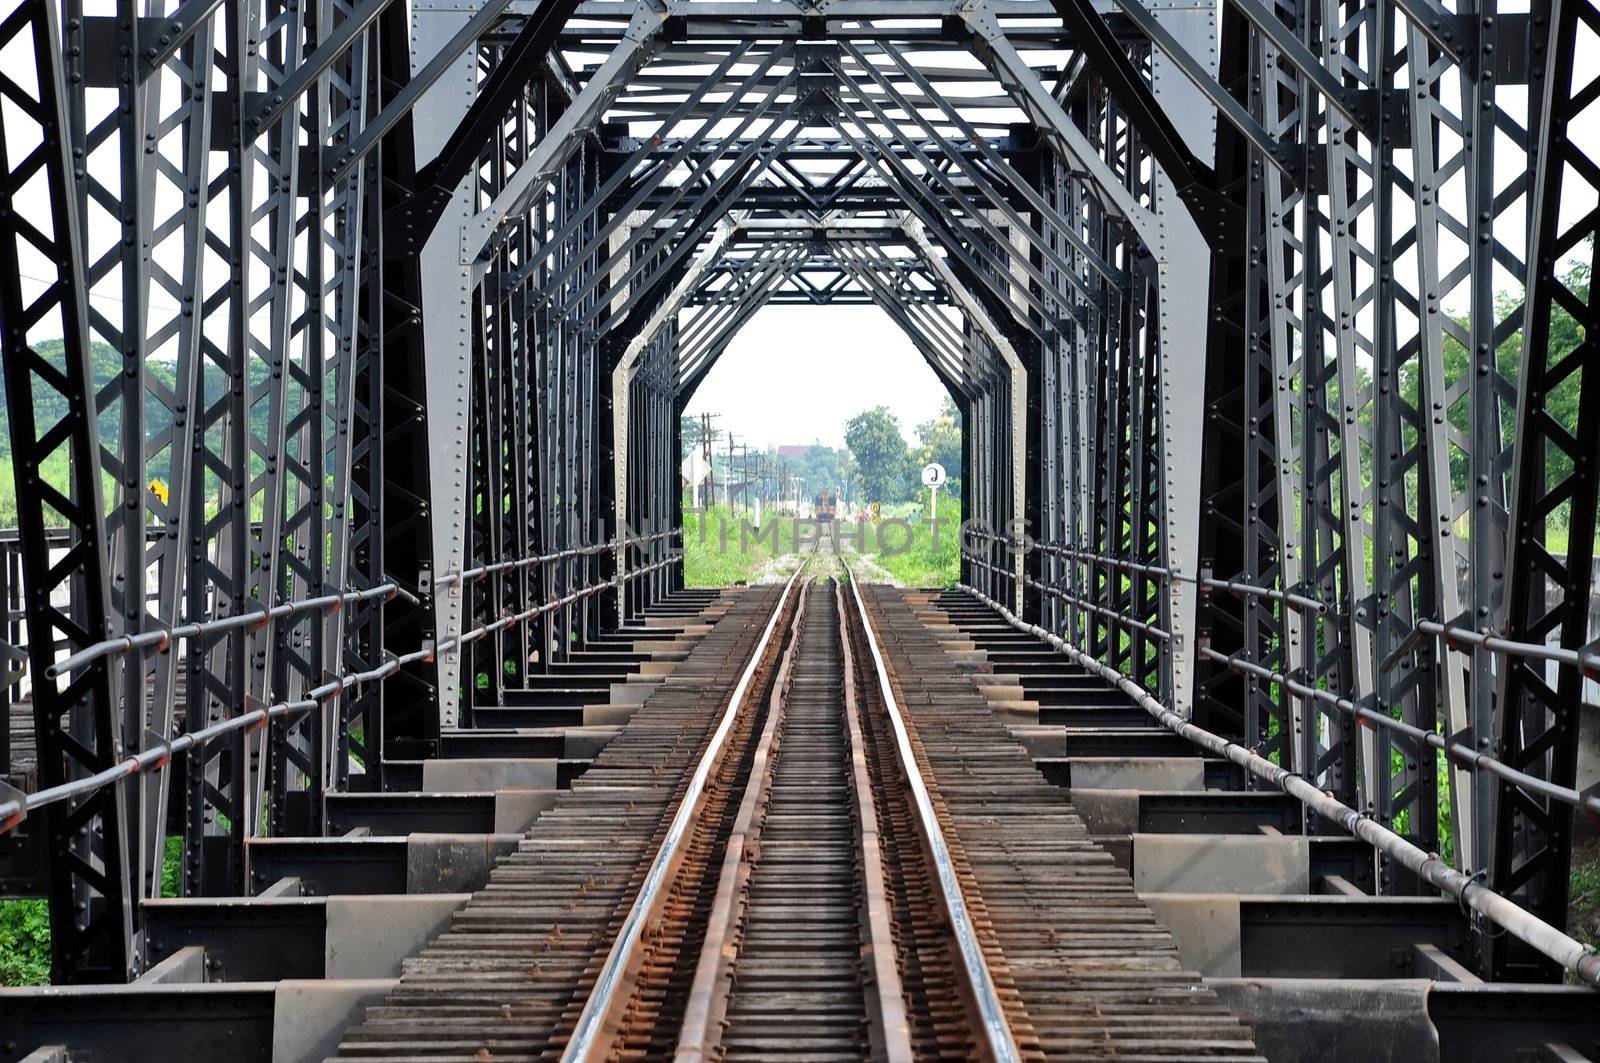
(345, 345)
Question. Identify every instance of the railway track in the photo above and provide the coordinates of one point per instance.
(807, 910)
(788, 880)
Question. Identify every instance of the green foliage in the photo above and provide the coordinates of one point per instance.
(172, 867)
(880, 453)
(1583, 894)
(104, 365)
(933, 560)
(939, 440)
(691, 436)
(822, 469)
(24, 943)
(25, 926)
(718, 552)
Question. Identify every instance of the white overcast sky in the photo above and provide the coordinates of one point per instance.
(796, 374)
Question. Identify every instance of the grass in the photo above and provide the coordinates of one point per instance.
(720, 550)
(927, 563)
(1583, 899)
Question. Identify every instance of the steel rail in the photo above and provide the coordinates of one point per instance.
(998, 1039)
(16, 808)
(1572, 955)
(589, 1034)
(706, 1009)
(894, 1027)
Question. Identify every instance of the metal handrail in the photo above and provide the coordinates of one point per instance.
(1454, 751)
(997, 1031)
(473, 575)
(165, 636)
(587, 1034)
(1586, 661)
(1572, 955)
(124, 644)
(14, 810)
(1247, 590)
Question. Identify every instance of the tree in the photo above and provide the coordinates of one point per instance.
(940, 441)
(690, 431)
(880, 451)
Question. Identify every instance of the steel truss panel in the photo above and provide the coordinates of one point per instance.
(398, 308)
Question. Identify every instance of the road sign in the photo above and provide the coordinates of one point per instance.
(933, 478)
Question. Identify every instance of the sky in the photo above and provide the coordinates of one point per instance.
(796, 374)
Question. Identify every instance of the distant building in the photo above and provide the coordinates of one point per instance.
(798, 453)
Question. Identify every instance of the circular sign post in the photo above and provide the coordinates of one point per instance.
(933, 478)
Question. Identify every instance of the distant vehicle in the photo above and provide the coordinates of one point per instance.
(826, 506)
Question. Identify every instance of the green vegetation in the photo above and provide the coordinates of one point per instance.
(105, 364)
(25, 926)
(882, 459)
(721, 549)
(1583, 901)
(889, 472)
(934, 560)
(24, 943)
(939, 440)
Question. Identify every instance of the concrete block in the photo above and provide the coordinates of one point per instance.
(585, 743)
(1041, 740)
(368, 937)
(631, 695)
(454, 863)
(1108, 811)
(1205, 927)
(607, 715)
(1002, 691)
(1138, 773)
(1023, 712)
(1221, 863)
(656, 669)
(486, 776)
(515, 810)
(309, 1017)
(1317, 1020)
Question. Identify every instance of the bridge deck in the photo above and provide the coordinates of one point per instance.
(1083, 963)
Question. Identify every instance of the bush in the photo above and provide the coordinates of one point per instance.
(24, 943)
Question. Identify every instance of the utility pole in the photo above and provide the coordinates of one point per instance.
(744, 477)
(706, 437)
